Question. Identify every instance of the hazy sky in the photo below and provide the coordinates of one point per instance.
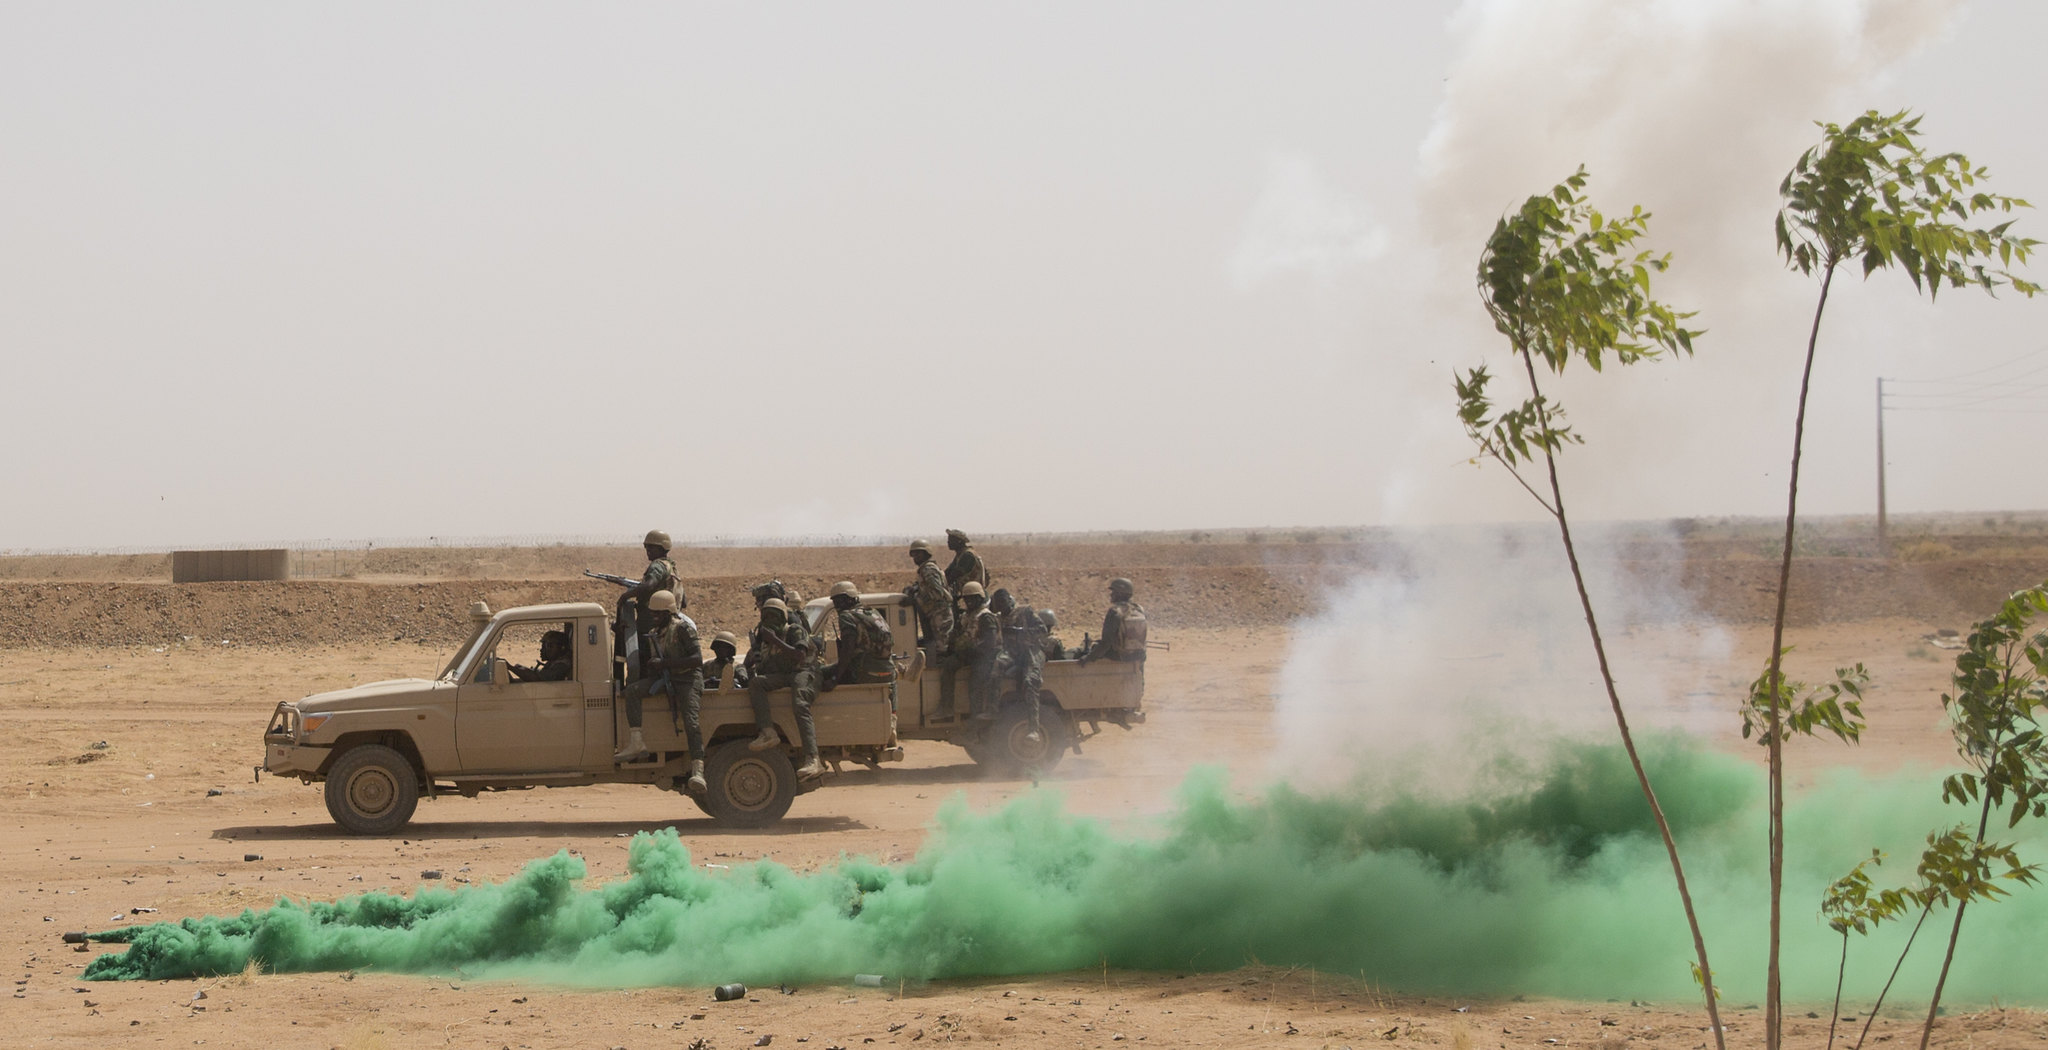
(287, 272)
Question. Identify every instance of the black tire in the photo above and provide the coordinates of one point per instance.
(748, 789)
(372, 790)
(1008, 745)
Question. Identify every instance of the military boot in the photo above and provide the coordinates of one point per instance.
(812, 769)
(768, 738)
(696, 785)
(635, 748)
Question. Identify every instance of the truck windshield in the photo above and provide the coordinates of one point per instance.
(462, 652)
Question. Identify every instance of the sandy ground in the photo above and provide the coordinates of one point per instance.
(92, 833)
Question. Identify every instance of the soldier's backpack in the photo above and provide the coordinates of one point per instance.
(1130, 634)
(875, 642)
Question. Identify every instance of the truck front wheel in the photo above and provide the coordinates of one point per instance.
(371, 790)
(748, 789)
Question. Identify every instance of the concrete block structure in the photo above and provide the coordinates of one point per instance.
(206, 566)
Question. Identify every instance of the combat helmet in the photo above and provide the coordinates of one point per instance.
(971, 589)
(1121, 585)
(921, 545)
(661, 601)
(1046, 617)
(657, 538)
(727, 637)
(845, 587)
(776, 604)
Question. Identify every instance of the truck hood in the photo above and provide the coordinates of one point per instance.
(369, 694)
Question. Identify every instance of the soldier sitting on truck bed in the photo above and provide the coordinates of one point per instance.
(865, 644)
(675, 662)
(1022, 659)
(933, 600)
(554, 665)
(1123, 627)
(1054, 648)
(780, 652)
(977, 641)
(724, 646)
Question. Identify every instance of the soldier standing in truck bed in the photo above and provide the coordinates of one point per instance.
(966, 566)
(781, 655)
(933, 599)
(660, 576)
(1123, 627)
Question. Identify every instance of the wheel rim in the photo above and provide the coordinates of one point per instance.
(372, 792)
(750, 784)
(1019, 743)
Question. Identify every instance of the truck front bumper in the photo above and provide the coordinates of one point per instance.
(293, 759)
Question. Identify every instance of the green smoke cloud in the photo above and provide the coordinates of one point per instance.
(1558, 886)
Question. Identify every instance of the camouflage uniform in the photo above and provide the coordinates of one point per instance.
(933, 598)
(966, 566)
(714, 672)
(866, 647)
(1110, 645)
(776, 669)
(977, 641)
(660, 576)
(1023, 659)
(685, 688)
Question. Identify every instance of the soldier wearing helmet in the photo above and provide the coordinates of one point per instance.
(780, 654)
(674, 662)
(933, 599)
(724, 647)
(660, 576)
(977, 640)
(1054, 648)
(554, 665)
(1022, 659)
(966, 566)
(866, 646)
(1123, 627)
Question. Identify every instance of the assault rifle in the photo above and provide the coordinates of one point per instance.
(623, 581)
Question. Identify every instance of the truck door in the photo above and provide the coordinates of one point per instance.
(505, 725)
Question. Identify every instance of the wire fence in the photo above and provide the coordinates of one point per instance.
(311, 550)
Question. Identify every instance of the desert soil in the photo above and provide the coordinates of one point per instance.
(179, 680)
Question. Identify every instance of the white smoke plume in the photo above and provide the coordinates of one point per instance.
(1300, 223)
(1703, 103)
(1474, 638)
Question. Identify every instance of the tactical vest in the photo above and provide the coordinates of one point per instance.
(1130, 633)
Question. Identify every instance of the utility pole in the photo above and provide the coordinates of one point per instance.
(1884, 549)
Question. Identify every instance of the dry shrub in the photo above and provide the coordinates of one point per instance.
(250, 971)
(1923, 550)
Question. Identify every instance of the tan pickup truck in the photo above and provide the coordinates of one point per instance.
(476, 726)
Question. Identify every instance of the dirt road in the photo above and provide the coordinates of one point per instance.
(117, 753)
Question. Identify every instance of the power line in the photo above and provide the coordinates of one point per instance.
(1980, 371)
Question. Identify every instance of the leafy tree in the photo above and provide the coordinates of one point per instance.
(2001, 687)
(1867, 194)
(1853, 904)
(1563, 282)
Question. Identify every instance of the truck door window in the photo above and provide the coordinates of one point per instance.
(520, 644)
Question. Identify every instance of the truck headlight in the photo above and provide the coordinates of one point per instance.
(308, 724)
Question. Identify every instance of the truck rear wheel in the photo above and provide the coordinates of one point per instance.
(371, 790)
(749, 789)
(1009, 747)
